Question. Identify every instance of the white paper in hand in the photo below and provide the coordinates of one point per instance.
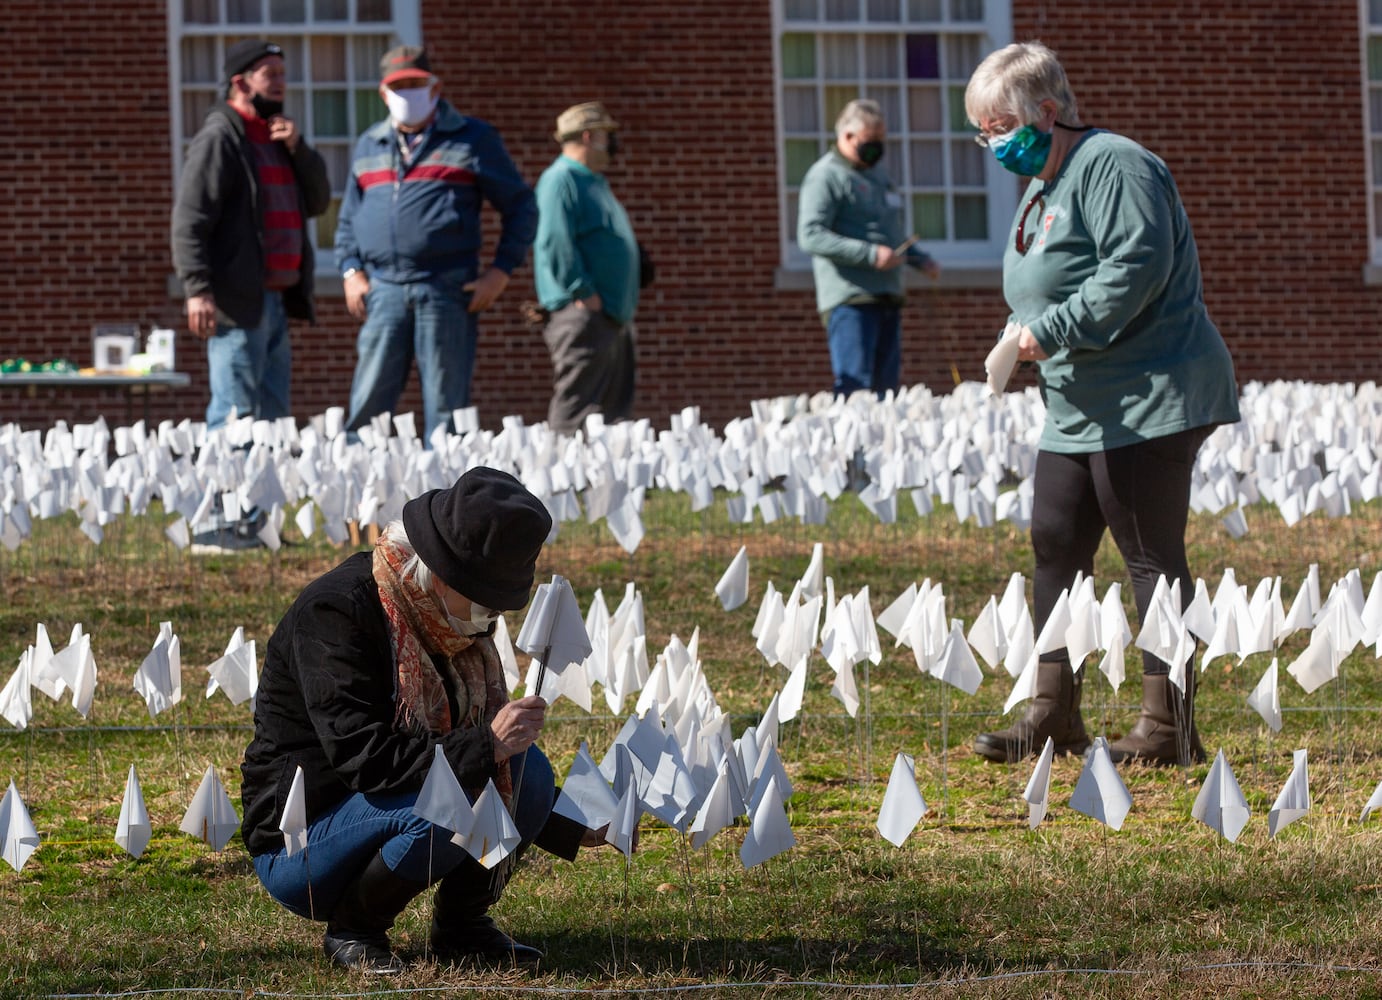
(1002, 359)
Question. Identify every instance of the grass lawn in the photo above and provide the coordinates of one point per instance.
(974, 904)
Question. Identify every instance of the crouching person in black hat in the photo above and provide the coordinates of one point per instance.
(377, 662)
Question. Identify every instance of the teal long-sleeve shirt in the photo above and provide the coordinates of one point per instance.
(1110, 287)
(585, 243)
(845, 213)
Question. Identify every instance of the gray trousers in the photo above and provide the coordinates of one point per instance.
(593, 367)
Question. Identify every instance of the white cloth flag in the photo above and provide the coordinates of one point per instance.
(1220, 804)
(442, 801)
(717, 811)
(1265, 699)
(1100, 793)
(211, 816)
(621, 829)
(733, 588)
(956, 665)
(769, 833)
(16, 700)
(903, 804)
(1318, 664)
(293, 822)
(492, 836)
(793, 692)
(1024, 688)
(987, 635)
(159, 678)
(133, 829)
(21, 837)
(586, 796)
(554, 635)
(237, 671)
(1038, 791)
(72, 669)
(1373, 803)
(1294, 800)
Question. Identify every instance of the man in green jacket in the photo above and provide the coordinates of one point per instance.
(852, 224)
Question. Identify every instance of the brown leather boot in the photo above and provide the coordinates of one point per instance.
(1054, 711)
(1165, 732)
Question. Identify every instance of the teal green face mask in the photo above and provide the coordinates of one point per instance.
(1023, 151)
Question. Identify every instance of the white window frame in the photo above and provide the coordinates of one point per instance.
(405, 28)
(992, 32)
(1368, 31)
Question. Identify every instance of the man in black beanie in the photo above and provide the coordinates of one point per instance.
(376, 664)
(240, 244)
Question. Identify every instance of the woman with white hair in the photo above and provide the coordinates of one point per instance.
(1102, 279)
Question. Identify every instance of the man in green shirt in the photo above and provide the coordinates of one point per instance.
(851, 223)
(587, 270)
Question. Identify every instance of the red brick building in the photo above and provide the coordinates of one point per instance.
(1265, 113)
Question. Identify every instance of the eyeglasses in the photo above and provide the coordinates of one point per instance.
(1023, 243)
(985, 138)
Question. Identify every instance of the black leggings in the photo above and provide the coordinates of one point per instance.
(1141, 493)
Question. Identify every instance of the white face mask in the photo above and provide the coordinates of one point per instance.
(410, 107)
(479, 622)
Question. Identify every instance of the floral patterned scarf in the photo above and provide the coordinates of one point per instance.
(418, 628)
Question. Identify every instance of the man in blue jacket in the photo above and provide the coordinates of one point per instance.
(408, 242)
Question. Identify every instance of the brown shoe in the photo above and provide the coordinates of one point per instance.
(1165, 732)
(1054, 711)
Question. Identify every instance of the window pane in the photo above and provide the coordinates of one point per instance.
(835, 100)
(793, 204)
(373, 10)
(842, 10)
(923, 58)
(244, 11)
(801, 153)
(295, 106)
(928, 216)
(1377, 163)
(924, 109)
(889, 102)
(329, 10)
(292, 58)
(840, 53)
(971, 217)
(923, 10)
(884, 10)
(328, 59)
(287, 11)
(199, 62)
(928, 170)
(329, 113)
(798, 57)
(955, 98)
(366, 51)
(963, 54)
(326, 225)
(802, 10)
(1375, 12)
(966, 10)
(369, 109)
(966, 163)
(199, 11)
(799, 110)
(880, 57)
(195, 105)
(1375, 58)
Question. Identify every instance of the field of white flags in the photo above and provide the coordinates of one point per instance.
(767, 646)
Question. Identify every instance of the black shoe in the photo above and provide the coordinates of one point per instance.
(369, 953)
(480, 938)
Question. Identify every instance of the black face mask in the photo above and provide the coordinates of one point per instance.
(870, 152)
(266, 108)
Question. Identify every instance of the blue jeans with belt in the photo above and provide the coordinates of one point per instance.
(341, 842)
(249, 367)
(422, 320)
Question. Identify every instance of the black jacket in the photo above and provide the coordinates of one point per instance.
(218, 222)
(326, 702)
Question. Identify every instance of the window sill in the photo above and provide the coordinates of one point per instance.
(986, 277)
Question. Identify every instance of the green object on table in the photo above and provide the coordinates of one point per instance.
(12, 365)
(57, 365)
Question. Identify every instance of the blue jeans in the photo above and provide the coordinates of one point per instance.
(426, 320)
(249, 368)
(865, 347)
(341, 842)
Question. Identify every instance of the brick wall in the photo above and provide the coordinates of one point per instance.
(1257, 108)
